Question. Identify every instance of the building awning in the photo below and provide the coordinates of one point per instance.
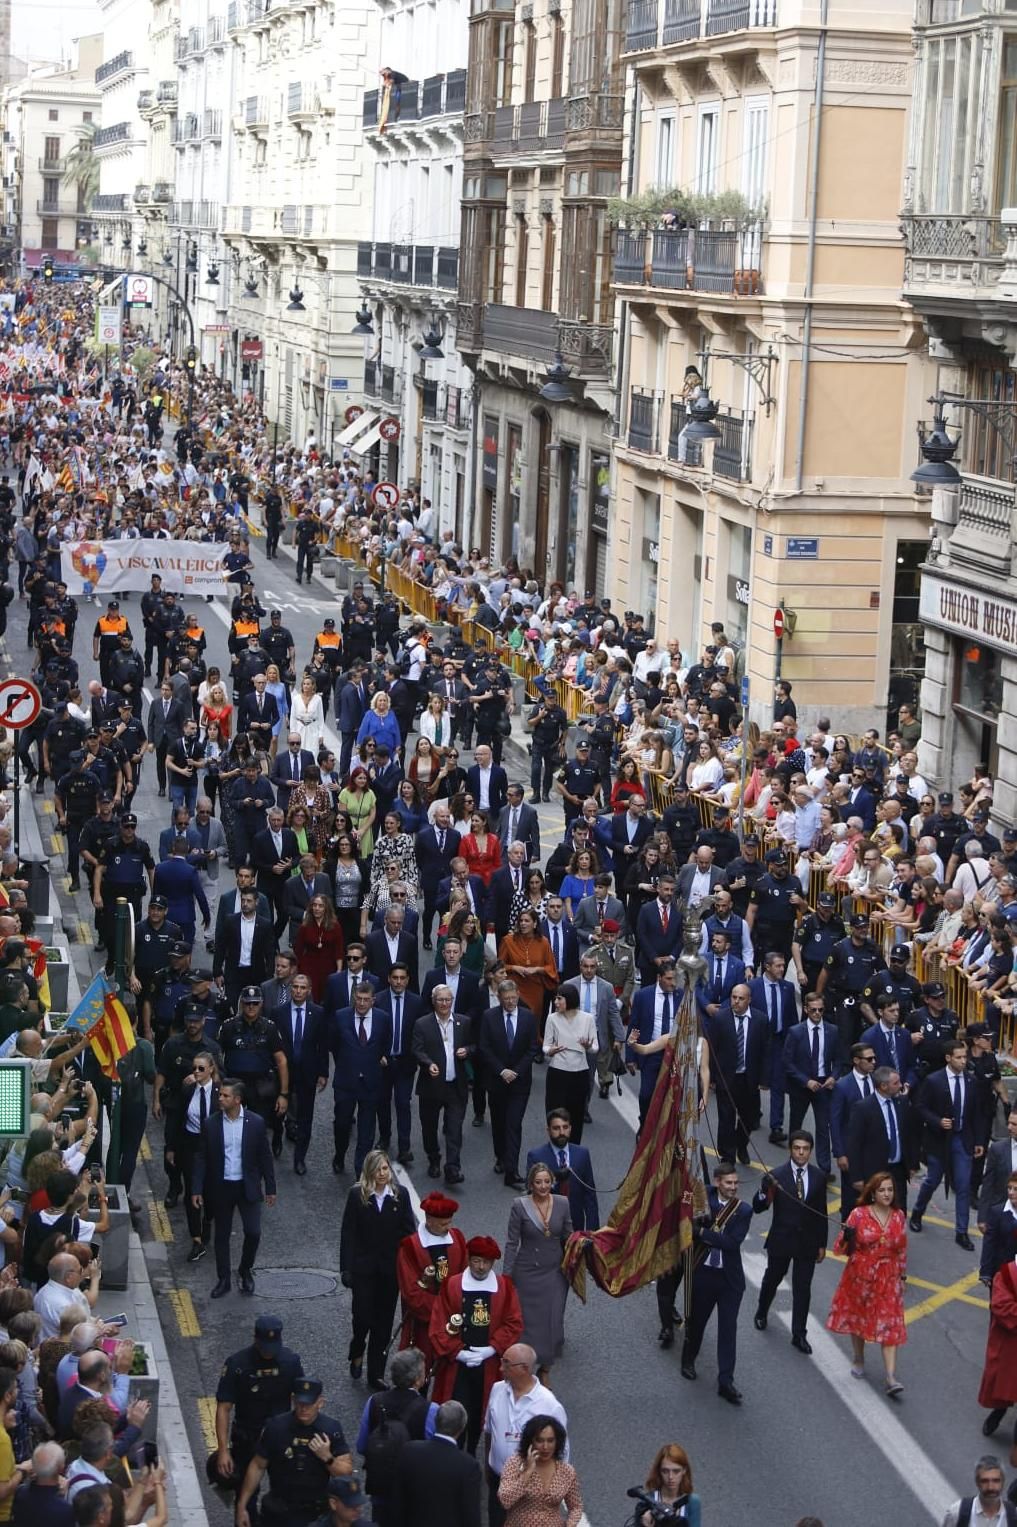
(365, 443)
(359, 425)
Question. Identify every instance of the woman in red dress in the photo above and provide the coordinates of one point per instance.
(481, 849)
(999, 1377)
(319, 945)
(869, 1302)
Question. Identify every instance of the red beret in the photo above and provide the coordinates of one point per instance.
(440, 1206)
(483, 1246)
(610, 926)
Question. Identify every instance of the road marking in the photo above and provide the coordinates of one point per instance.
(59, 843)
(144, 1149)
(206, 1415)
(162, 1230)
(46, 806)
(183, 1308)
(942, 1296)
(84, 932)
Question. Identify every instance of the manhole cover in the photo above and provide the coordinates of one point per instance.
(295, 1282)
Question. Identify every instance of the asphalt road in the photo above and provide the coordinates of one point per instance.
(808, 1440)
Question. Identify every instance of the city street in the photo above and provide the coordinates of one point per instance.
(808, 1439)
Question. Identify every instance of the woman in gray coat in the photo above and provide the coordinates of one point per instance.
(539, 1225)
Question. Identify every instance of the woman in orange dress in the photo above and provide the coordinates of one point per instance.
(319, 945)
(528, 957)
(868, 1304)
(536, 1481)
(481, 849)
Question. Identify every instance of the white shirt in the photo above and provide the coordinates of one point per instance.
(447, 1032)
(817, 1028)
(507, 1415)
(860, 1081)
(379, 1198)
(977, 1517)
(247, 938)
(700, 886)
(485, 788)
(194, 1108)
(51, 1301)
(673, 1001)
(277, 841)
(233, 1135)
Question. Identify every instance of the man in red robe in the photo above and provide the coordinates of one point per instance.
(475, 1317)
(425, 1262)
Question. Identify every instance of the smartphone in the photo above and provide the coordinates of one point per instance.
(95, 1172)
(115, 1320)
(150, 1453)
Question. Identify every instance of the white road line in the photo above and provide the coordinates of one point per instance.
(876, 1415)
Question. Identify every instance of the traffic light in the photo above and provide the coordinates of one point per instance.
(191, 359)
(47, 269)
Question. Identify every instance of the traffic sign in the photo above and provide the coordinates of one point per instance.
(20, 703)
(745, 691)
(390, 430)
(107, 325)
(140, 290)
(352, 413)
(385, 495)
(778, 623)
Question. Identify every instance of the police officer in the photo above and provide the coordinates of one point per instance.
(248, 664)
(302, 1451)
(106, 638)
(850, 967)
(167, 618)
(272, 508)
(946, 826)
(203, 999)
(681, 823)
(76, 801)
(904, 988)
(151, 602)
(279, 644)
(123, 867)
(253, 1053)
(169, 985)
(814, 942)
(112, 759)
(937, 1026)
(547, 724)
(581, 782)
(616, 964)
(601, 732)
(491, 694)
(256, 1384)
(743, 872)
(127, 671)
(64, 735)
(154, 937)
(774, 902)
(720, 837)
(174, 1064)
(130, 734)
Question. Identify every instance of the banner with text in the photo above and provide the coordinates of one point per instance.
(105, 567)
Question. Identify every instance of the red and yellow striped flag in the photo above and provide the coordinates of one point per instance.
(37, 950)
(112, 1037)
(65, 482)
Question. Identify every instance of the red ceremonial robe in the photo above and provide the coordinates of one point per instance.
(418, 1302)
(999, 1377)
(506, 1329)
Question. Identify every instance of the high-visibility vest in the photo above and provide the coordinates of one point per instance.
(245, 628)
(328, 639)
(195, 633)
(112, 625)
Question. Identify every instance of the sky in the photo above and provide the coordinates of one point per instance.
(63, 21)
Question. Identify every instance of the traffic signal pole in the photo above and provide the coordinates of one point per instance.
(191, 359)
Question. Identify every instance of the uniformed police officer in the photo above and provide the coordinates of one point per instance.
(253, 1052)
(937, 1026)
(174, 1065)
(491, 694)
(256, 1384)
(616, 964)
(547, 724)
(600, 731)
(206, 1000)
(774, 903)
(122, 870)
(820, 931)
(126, 669)
(154, 936)
(106, 637)
(903, 987)
(167, 619)
(302, 1451)
(581, 782)
(169, 985)
(279, 644)
(130, 733)
(76, 800)
(850, 966)
(63, 736)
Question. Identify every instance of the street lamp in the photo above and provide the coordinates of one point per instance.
(702, 412)
(212, 278)
(431, 349)
(296, 302)
(938, 450)
(365, 321)
(556, 388)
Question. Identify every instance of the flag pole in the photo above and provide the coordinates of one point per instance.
(121, 923)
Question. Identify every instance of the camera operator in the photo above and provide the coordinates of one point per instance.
(668, 1495)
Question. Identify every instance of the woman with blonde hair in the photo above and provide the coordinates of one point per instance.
(378, 1216)
(217, 708)
(307, 716)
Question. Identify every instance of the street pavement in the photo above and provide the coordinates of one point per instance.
(808, 1439)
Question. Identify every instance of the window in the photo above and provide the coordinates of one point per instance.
(547, 267)
(50, 233)
(984, 448)
(664, 169)
(557, 56)
(707, 149)
(502, 61)
(50, 192)
(951, 86)
(86, 116)
(51, 150)
(54, 115)
(494, 263)
(522, 257)
(530, 61)
(1006, 177)
(754, 146)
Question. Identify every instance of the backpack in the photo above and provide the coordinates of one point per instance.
(37, 1232)
(384, 1444)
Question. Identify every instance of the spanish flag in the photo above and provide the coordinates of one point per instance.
(37, 950)
(650, 1227)
(112, 1036)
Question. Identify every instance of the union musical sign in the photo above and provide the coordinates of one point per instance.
(972, 613)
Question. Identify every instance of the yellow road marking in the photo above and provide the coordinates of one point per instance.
(145, 1150)
(84, 932)
(943, 1296)
(206, 1415)
(59, 843)
(46, 806)
(183, 1309)
(161, 1227)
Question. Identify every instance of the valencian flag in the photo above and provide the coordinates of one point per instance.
(103, 1018)
(651, 1223)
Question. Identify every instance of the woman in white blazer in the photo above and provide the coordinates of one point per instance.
(307, 716)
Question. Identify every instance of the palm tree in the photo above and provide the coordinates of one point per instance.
(82, 167)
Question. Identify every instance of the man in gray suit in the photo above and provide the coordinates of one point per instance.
(592, 910)
(519, 822)
(1000, 1161)
(208, 836)
(275, 992)
(597, 996)
(698, 879)
(166, 717)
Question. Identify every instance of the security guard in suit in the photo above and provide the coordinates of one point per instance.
(256, 1384)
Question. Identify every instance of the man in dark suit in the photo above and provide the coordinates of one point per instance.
(233, 1161)
(999, 1242)
(229, 902)
(288, 768)
(391, 945)
(718, 1279)
(437, 1482)
(245, 951)
(274, 852)
(501, 888)
(796, 1192)
(1000, 1161)
(724, 971)
(403, 1008)
(851, 1089)
(301, 1025)
(775, 997)
(508, 1044)
(487, 782)
(351, 702)
(519, 823)
(258, 713)
(442, 1044)
(299, 890)
(949, 1106)
(630, 829)
(339, 987)
(877, 1135)
(360, 1039)
(891, 1041)
(468, 995)
(572, 1168)
(472, 884)
(812, 1063)
(435, 848)
(737, 1038)
(658, 930)
(650, 1020)
(562, 937)
(166, 717)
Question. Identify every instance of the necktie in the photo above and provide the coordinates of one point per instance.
(562, 1161)
(665, 918)
(202, 1108)
(165, 707)
(866, 1088)
(556, 945)
(741, 1042)
(718, 979)
(362, 1031)
(774, 1015)
(397, 1024)
(587, 1003)
(441, 842)
(665, 1014)
(298, 1025)
(295, 762)
(799, 1184)
(513, 826)
(891, 1126)
(510, 1028)
(519, 880)
(958, 1104)
(815, 1051)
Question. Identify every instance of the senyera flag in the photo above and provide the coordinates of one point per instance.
(103, 1018)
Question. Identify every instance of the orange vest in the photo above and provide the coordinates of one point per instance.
(245, 628)
(195, 633)
(112, 625)
(328, 639)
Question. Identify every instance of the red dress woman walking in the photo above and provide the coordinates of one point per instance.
(319, 945)
(999, 1377)
(868, 1304)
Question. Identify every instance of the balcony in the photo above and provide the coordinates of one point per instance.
(683, 20)
(365, 259)
(688, 453)
(431, 94)
(455, 91)
(391, 384)
(423, 265)
(301, 101)
(640, 26)
(528, 131)
(216, 33)
(120, 132)
(383, 262)
(595, 114)
(211, 125)
(642, 434)
(439, 95)
(288, 219)
(370, 383)
(402, 263)
(52, 166)
(256, 113)
(142, 195)
(166, 92)
(146, 100)
(58, 209)
(162, 192)
(111, 201)
(738, 15)
(586, 347)
(952, 254)
(982, 539)
(529, 332)
(448, 269)
(731, 451)
(723, 260)
(233, 17)
(118, 65)
(652, 24)
(370, 108)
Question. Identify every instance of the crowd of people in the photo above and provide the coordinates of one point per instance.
(353, 831)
